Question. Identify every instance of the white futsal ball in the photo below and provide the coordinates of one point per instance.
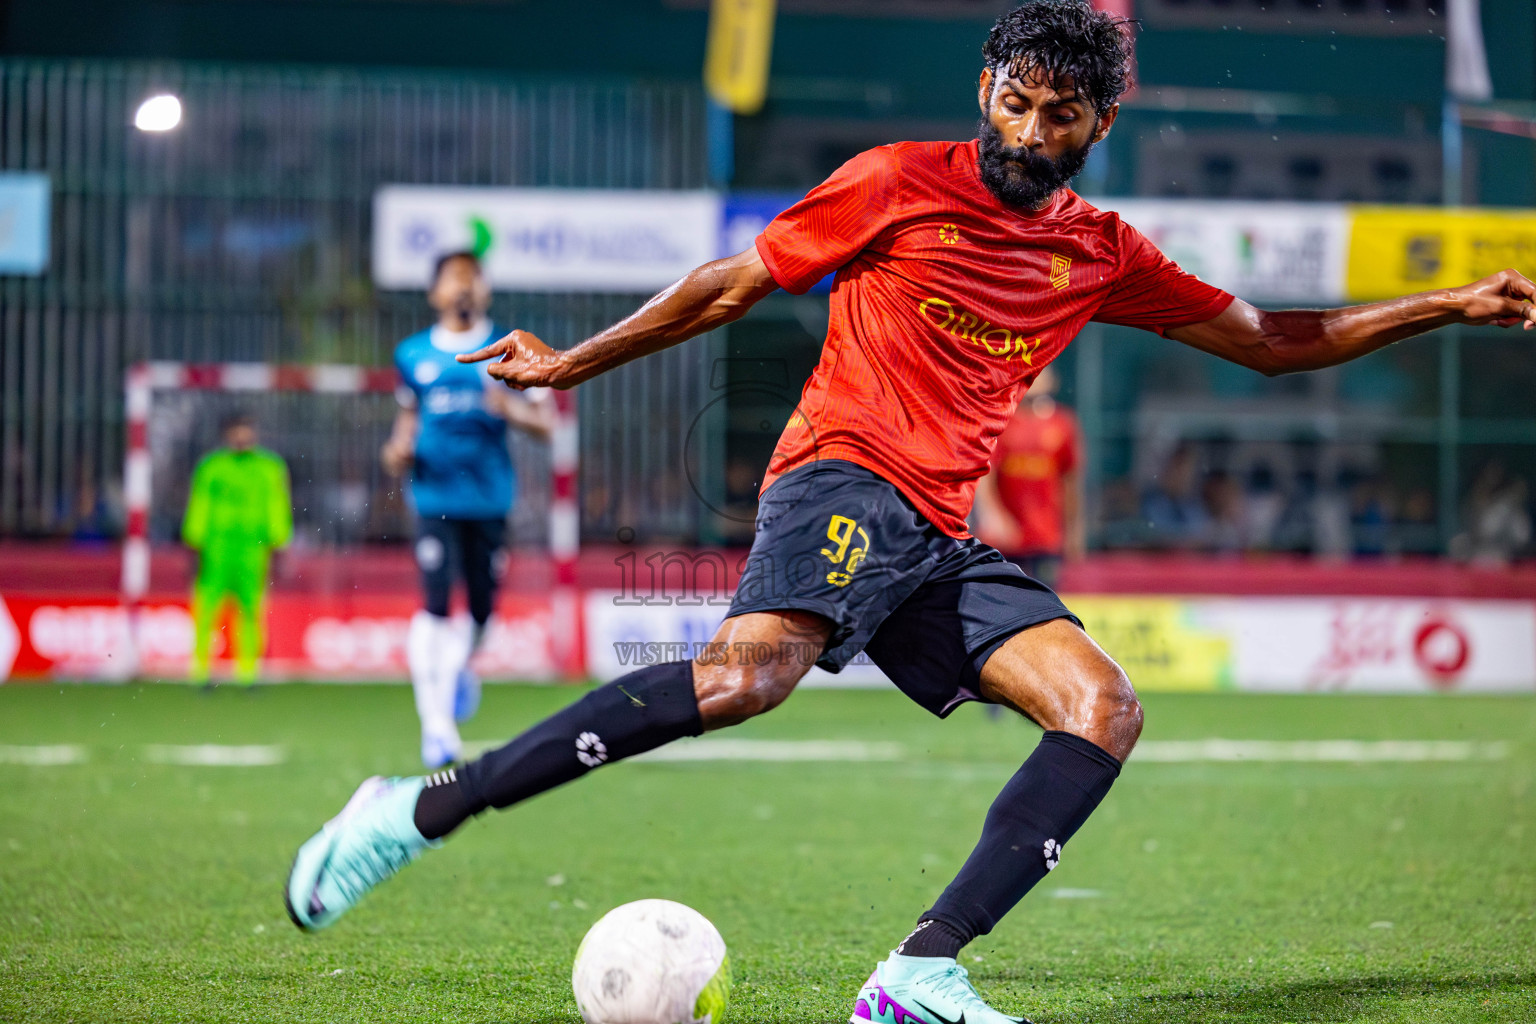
(652, 962)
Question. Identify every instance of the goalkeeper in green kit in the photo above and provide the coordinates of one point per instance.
(238, 512)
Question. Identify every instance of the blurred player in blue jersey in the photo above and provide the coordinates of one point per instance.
(451, 435)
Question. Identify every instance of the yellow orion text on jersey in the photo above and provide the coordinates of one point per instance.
(967, 326)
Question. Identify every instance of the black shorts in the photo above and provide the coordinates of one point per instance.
(1045, 568)
(472, 548)
(839, 540)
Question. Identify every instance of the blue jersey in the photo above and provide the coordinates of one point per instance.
(463, 469)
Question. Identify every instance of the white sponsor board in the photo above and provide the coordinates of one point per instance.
(624, 634)
(1292, 645)
(1383, 645)
(1293, 252)
(589, 240)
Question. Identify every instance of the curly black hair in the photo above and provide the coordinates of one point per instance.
(1065, 39)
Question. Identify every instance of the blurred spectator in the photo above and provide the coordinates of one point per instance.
(1329, 510)
(1221, 499)
(1263, 505)
(1498, 525)
(1029, 506)
(1418, 527)
(1171, 509)
(1370, 516)
(96, 513)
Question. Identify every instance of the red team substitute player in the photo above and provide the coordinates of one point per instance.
(962, 269)
(1029, 506)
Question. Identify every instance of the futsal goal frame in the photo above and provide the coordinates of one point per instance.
(144, 379)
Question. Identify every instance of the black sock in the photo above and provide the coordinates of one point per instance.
(638, 712)
(932, 938)
(1040, 808)
(441, 807)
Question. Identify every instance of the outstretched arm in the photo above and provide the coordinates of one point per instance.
(714, 294)
(1309, 339)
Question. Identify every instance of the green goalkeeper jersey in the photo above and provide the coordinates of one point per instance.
(239, 499)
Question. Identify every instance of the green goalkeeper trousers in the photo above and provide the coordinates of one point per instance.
(225, 578)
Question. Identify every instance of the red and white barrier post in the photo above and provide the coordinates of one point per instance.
(138, 396)
(565, 539)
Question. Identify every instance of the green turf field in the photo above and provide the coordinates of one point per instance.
(132, 890)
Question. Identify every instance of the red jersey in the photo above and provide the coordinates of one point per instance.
(946, 305)
(1033, 454)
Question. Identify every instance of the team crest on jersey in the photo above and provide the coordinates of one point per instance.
(426, 372)
(949, 234)
(1061, 271)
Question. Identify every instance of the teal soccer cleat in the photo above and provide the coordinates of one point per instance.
(373, 837)
(922, 990)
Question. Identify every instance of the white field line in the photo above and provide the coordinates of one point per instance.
(43, 757)
(749, 750)
(1358, 751)
(216, 755)
(776, 750)
(1076, 894)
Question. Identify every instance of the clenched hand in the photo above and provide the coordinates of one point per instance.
(1505, 299)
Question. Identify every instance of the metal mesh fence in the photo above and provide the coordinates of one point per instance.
(245, 235)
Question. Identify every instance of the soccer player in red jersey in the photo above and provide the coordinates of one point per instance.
(1029, 504)
(963, 268)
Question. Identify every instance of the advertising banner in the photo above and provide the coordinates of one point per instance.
(545, 240)
(1163, 643)
(605, 240)
(625, 632)
(1286, 252)
(1167, 644)
(24, 203)
(1394, 250)
(311, 637)
(1383, 645)
(1262, 644)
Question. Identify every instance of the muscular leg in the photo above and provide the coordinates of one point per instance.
(1055, 675)
(1058, 677)
(635, 713)
(734, 688)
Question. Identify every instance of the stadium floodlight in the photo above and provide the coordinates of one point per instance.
(159, 113)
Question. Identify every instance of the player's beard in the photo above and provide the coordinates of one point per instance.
(1020, 177)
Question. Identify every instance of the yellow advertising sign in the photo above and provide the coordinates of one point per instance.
(740, 45)
(1158, 642)
(1394, 250)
